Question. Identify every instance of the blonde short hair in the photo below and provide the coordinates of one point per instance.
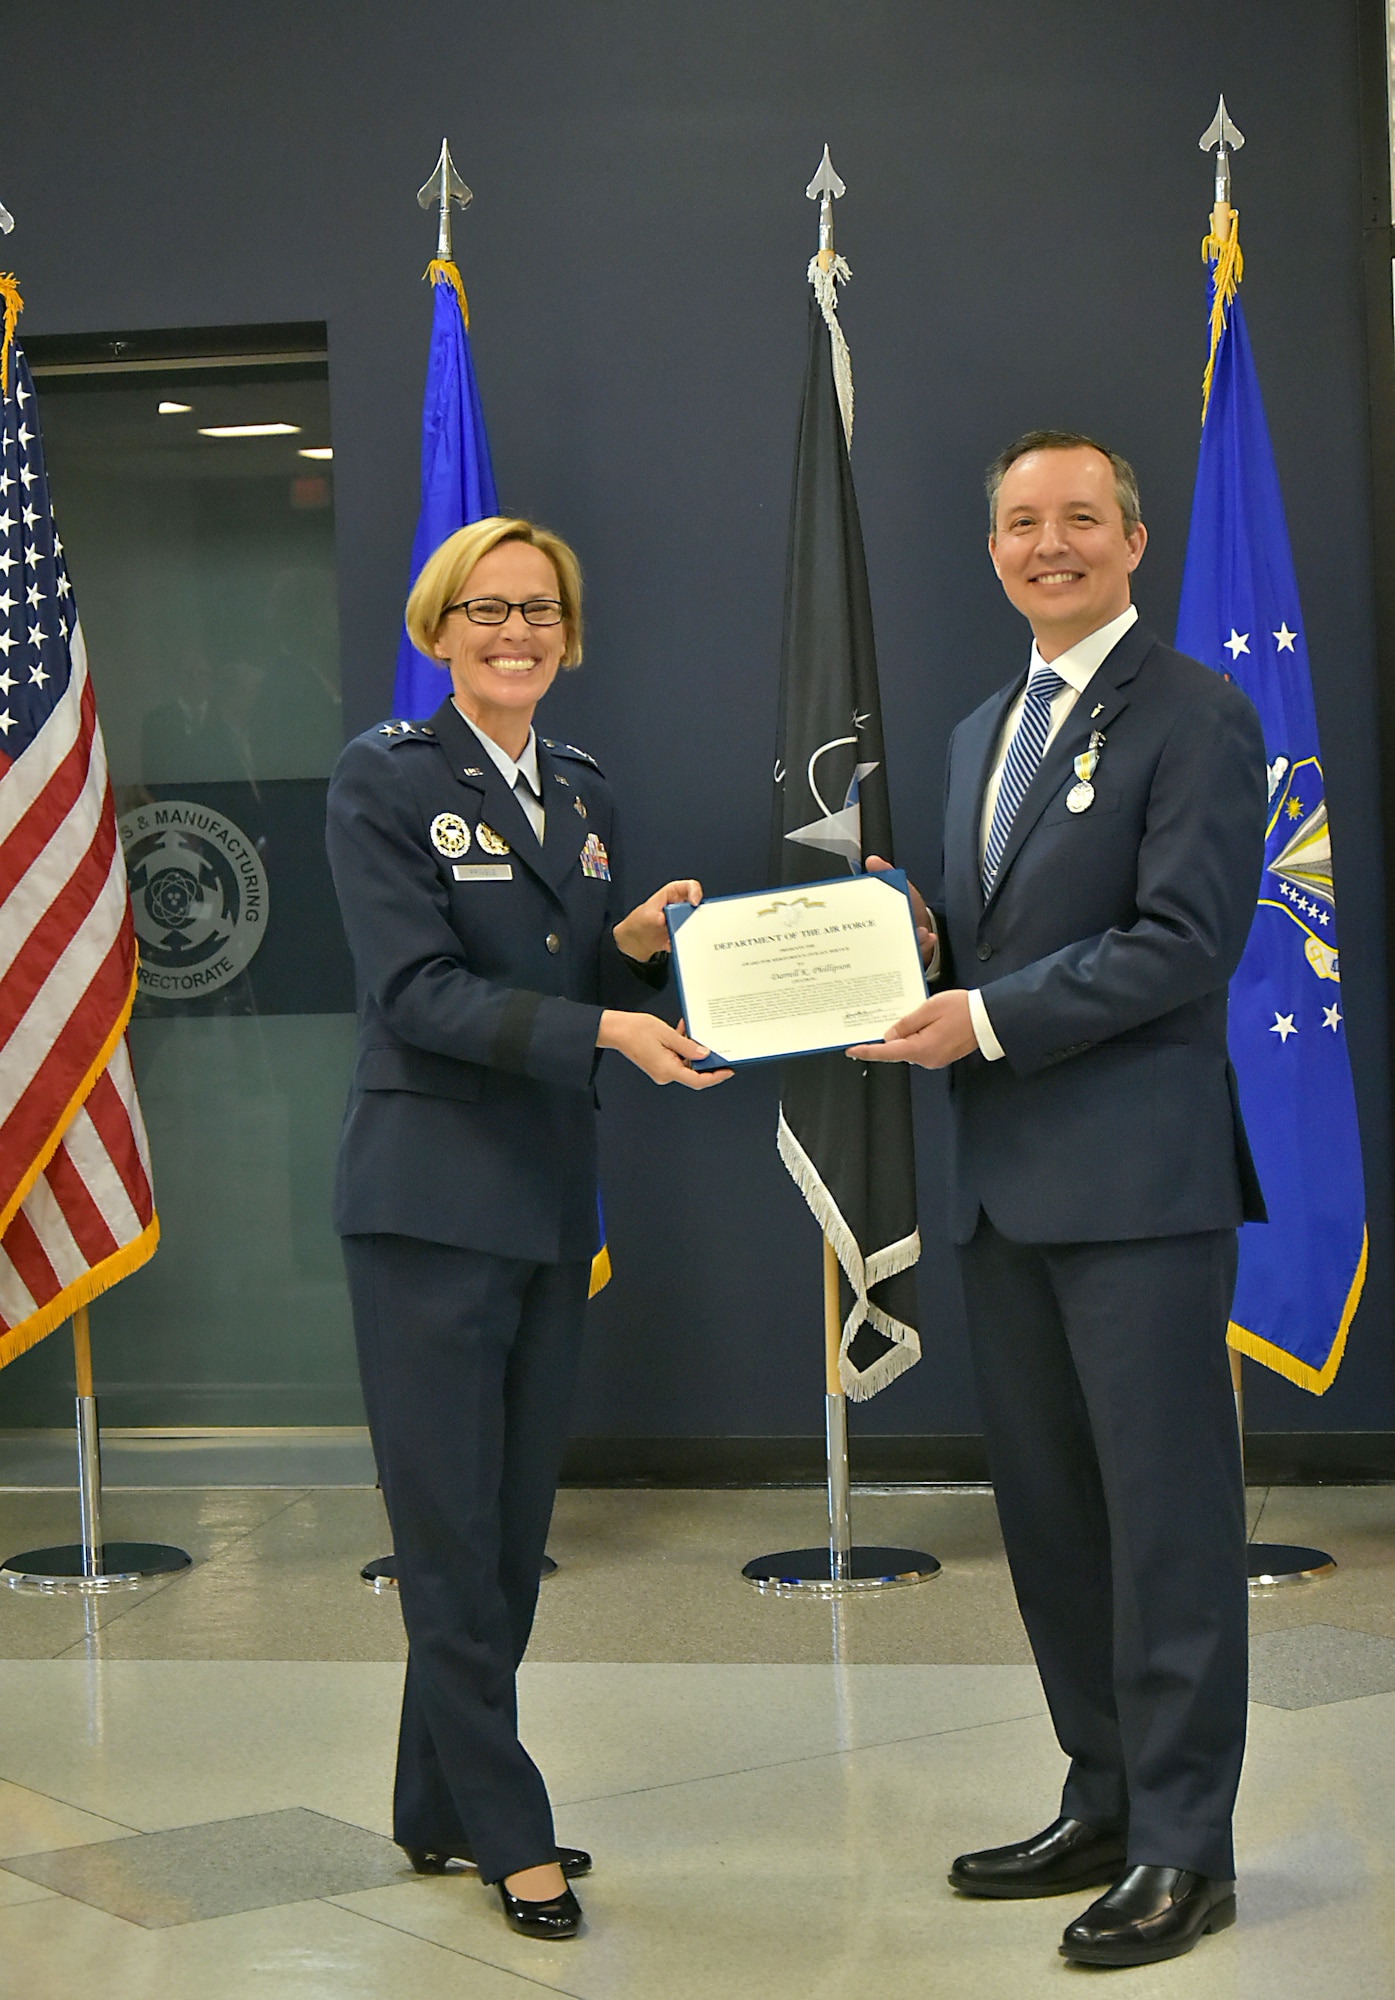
(443, 576)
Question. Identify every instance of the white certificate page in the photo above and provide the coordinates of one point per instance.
(799, 970)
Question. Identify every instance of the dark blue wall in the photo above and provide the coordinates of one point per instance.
(1025, 204)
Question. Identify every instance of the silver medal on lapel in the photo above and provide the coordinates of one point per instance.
(1081, 795)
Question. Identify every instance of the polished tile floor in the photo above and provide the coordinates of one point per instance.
(195, 1775)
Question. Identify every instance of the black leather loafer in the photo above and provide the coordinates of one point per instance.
(1149, 1914)
(1070, 1854)
(573, 1861)
(558, 1917)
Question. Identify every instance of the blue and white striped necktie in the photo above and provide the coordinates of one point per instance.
(1020, 766)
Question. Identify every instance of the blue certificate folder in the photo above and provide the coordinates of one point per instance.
(678, 914)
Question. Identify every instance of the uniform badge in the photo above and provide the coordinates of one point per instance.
(450, 835)
(577, 806)
(490, 841)
(595, 862)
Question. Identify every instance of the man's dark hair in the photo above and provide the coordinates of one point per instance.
(1125, 481)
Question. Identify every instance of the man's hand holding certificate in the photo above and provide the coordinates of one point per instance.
(797, 971)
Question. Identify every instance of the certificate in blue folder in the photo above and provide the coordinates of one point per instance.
(796, 971)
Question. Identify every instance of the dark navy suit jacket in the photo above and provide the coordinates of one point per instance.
(471, 1116)
(1104, 954)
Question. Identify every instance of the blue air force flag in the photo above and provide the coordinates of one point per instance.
(457, 478)
(1301, 1275)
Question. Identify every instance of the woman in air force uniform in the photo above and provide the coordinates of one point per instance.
(476, 869)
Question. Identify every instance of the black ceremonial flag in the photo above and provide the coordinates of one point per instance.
(845, 1128)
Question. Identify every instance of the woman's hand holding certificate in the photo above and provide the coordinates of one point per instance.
(799, 970)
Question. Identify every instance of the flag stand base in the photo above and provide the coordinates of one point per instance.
(1273, 1563)
(93, 1564)
(381, 1573)
(840, 1569)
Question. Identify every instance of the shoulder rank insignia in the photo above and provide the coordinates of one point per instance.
(490, 841)
(397, 731)
(570, 750)
(595, 862)
(450, 835)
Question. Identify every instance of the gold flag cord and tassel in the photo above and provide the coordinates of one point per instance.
(441, 271)
(14, 306)
(1220, 248)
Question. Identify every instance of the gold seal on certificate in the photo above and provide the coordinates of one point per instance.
(795, 971)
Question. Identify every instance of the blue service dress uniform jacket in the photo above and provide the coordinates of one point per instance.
(483, 961)
(1099, 1171)
(466, 1199)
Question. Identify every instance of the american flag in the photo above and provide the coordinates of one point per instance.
(76, 1207)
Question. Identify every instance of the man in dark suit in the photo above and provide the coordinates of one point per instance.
(1104, 828)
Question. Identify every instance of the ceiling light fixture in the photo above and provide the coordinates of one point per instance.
(316, 451)
(175, 409)
(248, 430)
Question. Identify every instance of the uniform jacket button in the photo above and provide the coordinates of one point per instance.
(985, 951)
(554, 943)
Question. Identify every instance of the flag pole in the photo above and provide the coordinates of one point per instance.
(1267, 1563)
(93, 1564)
(841, 1566)
(835, 1427)
(442, 188)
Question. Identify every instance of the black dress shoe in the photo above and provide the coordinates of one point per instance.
(1149, 1914)
(1070, 1854)
(573, 1861)
(558, 1917)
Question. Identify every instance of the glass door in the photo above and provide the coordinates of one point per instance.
(194, 493)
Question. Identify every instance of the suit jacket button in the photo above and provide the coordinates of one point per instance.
(985, 951)
(554, 943)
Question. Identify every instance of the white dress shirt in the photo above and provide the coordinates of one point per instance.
(522, 777)
(1077, 667)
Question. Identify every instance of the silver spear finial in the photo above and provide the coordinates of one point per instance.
(825, 188)
(1227, 138)
(7, 221)
(444, 187)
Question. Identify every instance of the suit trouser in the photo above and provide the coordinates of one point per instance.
(468, 1362)
(1115, 1457)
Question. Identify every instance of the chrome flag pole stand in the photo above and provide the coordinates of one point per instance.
(842, 1567)
(93, 1564)
(381, 1573)
(1270, 1563)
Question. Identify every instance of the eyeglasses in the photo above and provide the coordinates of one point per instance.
(495, 610)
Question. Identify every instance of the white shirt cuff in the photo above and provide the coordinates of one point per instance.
(989, 1045)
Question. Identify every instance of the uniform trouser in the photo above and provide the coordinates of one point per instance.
(468, 1362)
(1112, 1443)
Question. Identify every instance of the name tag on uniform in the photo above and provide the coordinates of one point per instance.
(483, 871)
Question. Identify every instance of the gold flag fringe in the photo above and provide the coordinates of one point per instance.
(1225, 255)
(100, 1278)
(441, 271)
(1316, 1380)
(14, 306)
